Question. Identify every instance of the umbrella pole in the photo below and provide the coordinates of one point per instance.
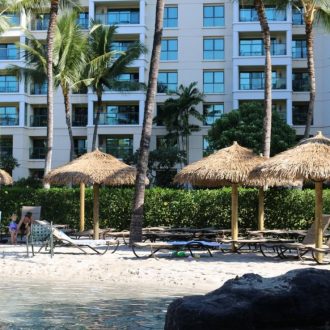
(82, 207)
(96, 190)
(234, 215)
(261, 209)
(318, 218)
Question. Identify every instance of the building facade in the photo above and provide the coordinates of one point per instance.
(217, 44)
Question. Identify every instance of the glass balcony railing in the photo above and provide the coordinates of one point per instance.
(38, 121)
(8, 120)
(119, 119)
(38, 89)
(83, 22)
(259, 84)
(297, 17)
(40, 24)
(277, 49)
(79, 120)
(300, 85)
(272, 14)
(38, 152)
(119, 17)
(9, 53)
(299, 52)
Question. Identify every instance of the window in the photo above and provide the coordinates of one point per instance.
(79, 115)
(213, 49)
(8, 84)
(119, 115)
(169, 51)
(83, 20)
(14, 19)
(251, 47)
(158, 121)
(39, 88)
(120, 146)
(299, 113)
(165, 142)
(297, 16)
(6, 146)
(213, 82)
(299, 48)
(123, 16)
(213, 15)
(41, 22)
(36, 173)
(80, 145)
(206, 146)
(170, 17)
(8, 52)
(212, 112)
(167, 82)
(8, 116)
(300, 82)
(39, 149)
(121, 46)
(39, 117)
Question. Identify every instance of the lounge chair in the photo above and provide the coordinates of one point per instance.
(60, 237)
(297, 249)
(41, 234)
(35, 210)
(150, 249)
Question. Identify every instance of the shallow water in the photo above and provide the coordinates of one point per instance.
(79, 306)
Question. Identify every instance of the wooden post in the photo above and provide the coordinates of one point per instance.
(96, 226)
(82, 207)
(318, 218)
(261, 209)
(234, 214)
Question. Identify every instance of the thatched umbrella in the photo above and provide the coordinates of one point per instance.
(5, 178)
(227, 167)
(93, 168)
(309, 160)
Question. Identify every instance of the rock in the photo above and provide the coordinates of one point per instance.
(297, 300)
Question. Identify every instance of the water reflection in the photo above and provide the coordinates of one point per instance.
(55, 306)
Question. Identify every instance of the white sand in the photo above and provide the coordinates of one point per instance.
(182, 274)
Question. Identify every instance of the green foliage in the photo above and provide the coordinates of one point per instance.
(245, 126)
(170, 207)
(8, 163)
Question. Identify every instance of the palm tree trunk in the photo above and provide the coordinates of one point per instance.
(97, 119)
(267, 124)
(68, 120)
(142, 165)
(311, 73)
(50, 91)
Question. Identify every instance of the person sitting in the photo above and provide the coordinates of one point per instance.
(25, 224)
(13, 228)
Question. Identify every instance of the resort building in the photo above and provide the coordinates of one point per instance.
(218, 44)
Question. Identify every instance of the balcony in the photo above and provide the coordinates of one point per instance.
(119, 17)
(8, 120)
(40, 23)
(299, 52)
(120, 146)
(248, 83)
(79, 120)
(38, 152)
(251, 49)
(38, 120)
(39, 89)
(9, 52)
(249, 14)
(121, 118)
(300, 85)
(297, 17)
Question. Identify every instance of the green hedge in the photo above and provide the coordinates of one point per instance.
(171, 207)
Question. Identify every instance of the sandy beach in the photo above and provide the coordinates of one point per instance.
(202, 274)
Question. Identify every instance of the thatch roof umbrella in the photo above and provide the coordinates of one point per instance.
(93, 168)
(227, 167)
(309, 160)
(5, 178)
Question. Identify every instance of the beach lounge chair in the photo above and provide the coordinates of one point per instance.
(35, 210)
(297, 249)
(148, 250)
(39, 234)
(60, 238)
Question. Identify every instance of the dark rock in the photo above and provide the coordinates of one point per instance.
(297, 300)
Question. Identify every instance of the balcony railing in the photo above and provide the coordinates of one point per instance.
(299, 52)
(38, 120)
(297, 17)
(40, 24)
(9, 87)
(119, 18)
(9, 53)
(83, 22)
(277, 49)
(272, 14)
(38, 89)
(79, 120)
(119, 119)
(259, 84)
(300, 85)
(38, 152)
(8, 120)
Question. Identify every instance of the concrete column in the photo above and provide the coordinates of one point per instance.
(289, 111)
(142, 12)
(141, 112)
(21, 114)
(91, 9)
(235, 11)
(90, 112)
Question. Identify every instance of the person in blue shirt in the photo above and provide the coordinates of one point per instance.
(13, 228)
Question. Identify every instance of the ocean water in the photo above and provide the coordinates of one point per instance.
(80, 306)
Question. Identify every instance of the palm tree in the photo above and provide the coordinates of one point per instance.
(106, 64)
(314, 11)
(176, 112)
(4, 25)
(267, 125)
(69, 61)
(142, 165)
(30, 6)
